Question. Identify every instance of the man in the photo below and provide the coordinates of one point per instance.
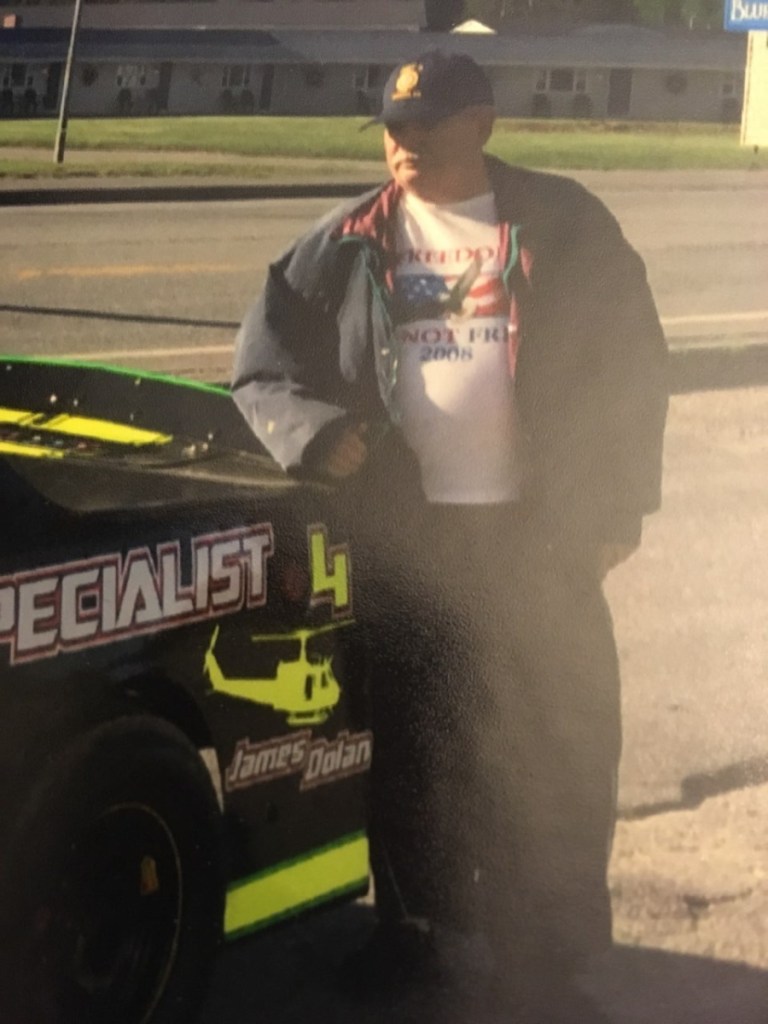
(472, 353)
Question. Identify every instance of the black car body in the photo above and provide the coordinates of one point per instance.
(184, 744)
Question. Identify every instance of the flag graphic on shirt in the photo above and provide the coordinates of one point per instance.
(415, 289)
(432, 297)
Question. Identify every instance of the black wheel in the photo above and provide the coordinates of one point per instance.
(112, 896)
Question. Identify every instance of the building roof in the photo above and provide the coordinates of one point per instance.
(623, 46)
(201, 45)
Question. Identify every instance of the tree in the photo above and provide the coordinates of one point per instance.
(706, 14)
(443, 15)
(565, 13)
(488, 12)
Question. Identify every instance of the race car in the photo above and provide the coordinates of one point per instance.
(182, 705)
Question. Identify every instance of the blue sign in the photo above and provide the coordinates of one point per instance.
(746, 15)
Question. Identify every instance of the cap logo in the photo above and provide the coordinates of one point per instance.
(407, 84)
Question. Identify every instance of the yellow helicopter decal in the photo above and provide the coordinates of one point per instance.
(305, 690)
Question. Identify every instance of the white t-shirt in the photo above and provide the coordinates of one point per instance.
(455, 389)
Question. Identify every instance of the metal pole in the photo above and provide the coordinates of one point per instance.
(61, 131)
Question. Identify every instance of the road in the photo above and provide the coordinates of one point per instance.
(164, 286)
(690, 610)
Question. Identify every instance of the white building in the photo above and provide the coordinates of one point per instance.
(618, 72)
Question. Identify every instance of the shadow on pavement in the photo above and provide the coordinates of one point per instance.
(723, 365)
(131, 318)
(290, 977)
(651, 986)
(695, 789)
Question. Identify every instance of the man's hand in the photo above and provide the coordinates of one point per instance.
(611, 555)
(348, 454)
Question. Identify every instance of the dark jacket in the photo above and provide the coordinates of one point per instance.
(317, 349)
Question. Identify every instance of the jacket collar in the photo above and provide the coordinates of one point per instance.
(375, 220)
(374, 217)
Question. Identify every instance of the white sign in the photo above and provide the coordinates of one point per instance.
(754, 118)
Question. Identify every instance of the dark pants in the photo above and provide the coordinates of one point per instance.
(495, 698)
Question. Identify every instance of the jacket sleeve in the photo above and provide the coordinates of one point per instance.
(286, 379)
(598, 353)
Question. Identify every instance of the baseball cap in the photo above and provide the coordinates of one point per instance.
(434, 86)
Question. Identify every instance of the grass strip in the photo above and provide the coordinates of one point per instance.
(556, 144)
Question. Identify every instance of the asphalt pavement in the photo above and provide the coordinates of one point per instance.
(689, 873)
(714, 363)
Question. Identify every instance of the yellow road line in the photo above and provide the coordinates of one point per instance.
(128, 270)
(715, 318)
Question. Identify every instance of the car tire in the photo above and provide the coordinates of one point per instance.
(113, 888)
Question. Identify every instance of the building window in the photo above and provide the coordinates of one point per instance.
(131, 76)
(267, 81)
(676, 82)
(89, 75)
(561, 80)
(236, 76)
(313, 76)
(369, 77)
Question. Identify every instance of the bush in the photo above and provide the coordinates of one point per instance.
(730, 112)
(227, 102)
(124, 102)
(582, 105)
(541, 105)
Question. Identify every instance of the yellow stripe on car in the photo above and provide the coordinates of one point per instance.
(295, 885)
(83, 426)
(29, 451)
